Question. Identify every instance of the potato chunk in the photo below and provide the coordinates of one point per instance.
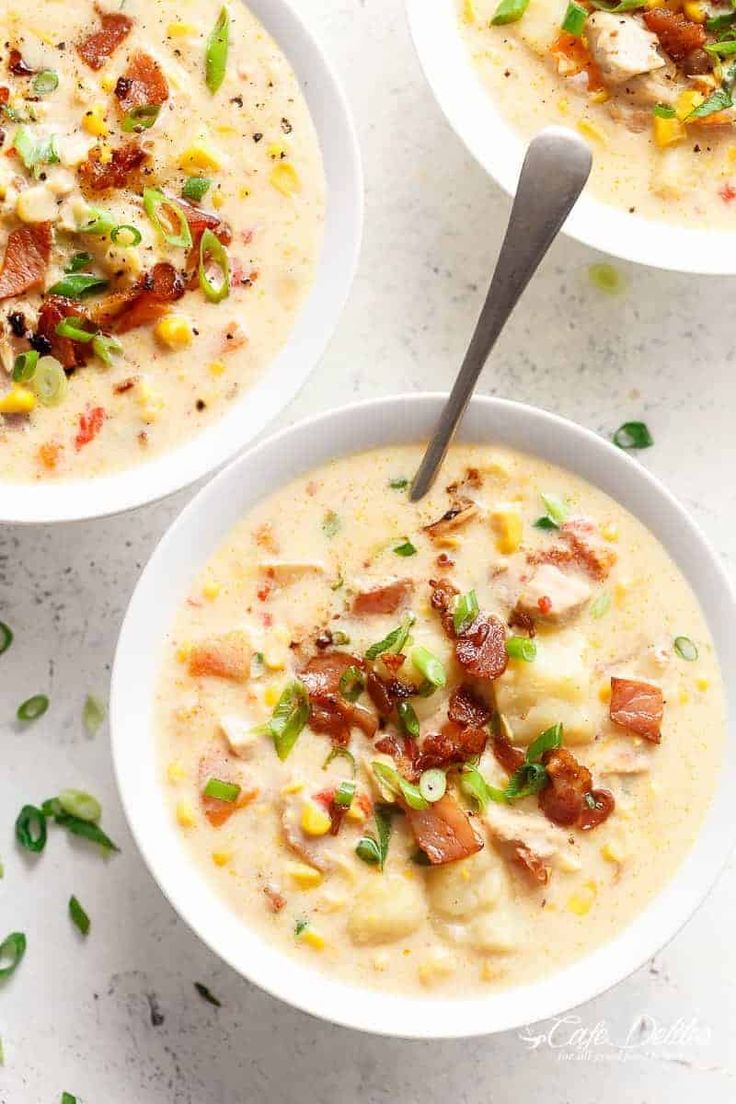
(387, 908)
(458, 891)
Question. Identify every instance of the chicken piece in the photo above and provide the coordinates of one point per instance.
(239, 733)
(621, 47)
(553, 594)
(529, 839)
(624, 757)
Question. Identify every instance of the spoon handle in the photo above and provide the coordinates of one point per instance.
(555, 169)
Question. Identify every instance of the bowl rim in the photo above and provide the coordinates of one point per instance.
(184, 550)
(499, 149)
(201, 455)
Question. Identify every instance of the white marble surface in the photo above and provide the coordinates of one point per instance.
(78, 1016)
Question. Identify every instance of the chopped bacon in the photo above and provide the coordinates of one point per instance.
(481, 649)
(520, 619)
(26, 259)
(90, 424)
(455, 743)
(227, 656)
(323, 672)
(386, 693)
(531, 862)
(385, 599)
(17, 66)
(336, 812)
(393, 662)
(443, 595)
(70, 354)
(467, 708)
(582, 546)
(142, 304)
(143, 84)
(276, 900)
(677, 35)
(569, 798)
(329, 712)
(637, 706)
(403, 750)
(572, 57)
(200, 220)
(599, 804)
(509, 757)
(460, 513)
(101, 176)
(443, 831)
(102, 44)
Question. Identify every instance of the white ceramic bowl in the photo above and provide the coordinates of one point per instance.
(204, 453)
(202, 527)
(500, 150)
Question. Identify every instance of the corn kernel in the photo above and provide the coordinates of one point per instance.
(313, 939)
(448, 542)
(285, 179)
(590, 130)
(687, 102)
(563, 105)
(306, 877)
(604, 692)
(210, 590)
(695, 11)
(651, 4)
(489, 971)
(621, 592)
(355, 814)
(185, 814)
(702, 684)
(508, 527)
(94, 122)
(175, 331)
(107, 82)
(218, 200)
(183, 653)
(180, 30)
(731, 154)
(244, 192)
(201, 156)
(175, 773)
(667, 132)
(613, 852)
(610, 532)
(683, 697)
(18, 400)
(292, 788)
(314, 821)
(217, 368)
(276, 151)
(221, 858)
(581, 902)
(469, 13)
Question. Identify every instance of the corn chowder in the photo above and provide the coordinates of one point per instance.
(448, 745)
(649, 83)
(161, 213)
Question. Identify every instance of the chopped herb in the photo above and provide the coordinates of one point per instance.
(352, 683)
(67, 1098)
(633, 435)
(528, 779)
(724, 48)
(78, 285)
(223, 791)
(557, 509)
(30, 829)
(6, 637)
(100, 224)
(433, 784)
(464, 612)
(213, 252)
(429, 666)
(509, 11)
(301, 925)
(399, 484)
(545, 523)
(344, 794)
(196, 188)
(396, 640)
(521, 647)
(106, 348)
(73, 328)
(12, 949)
(78, 262)
(474, 785)
(82, 826)
(168, 219)
(616, 6)
(664, 111)
(720, 22)
(549, 739)
(330, 524)
(374, 850)
(601, 605)
(34, 153)
(408, 719)
(574, 19)
(686, 649)
(141, 118)
(606, 278)
(78, 915)
(33, 708)
(405, 549)
(25, 366)
(289, 718)
(45, 82)
(131, 232)
(218, 47)
(398, 785)
(205, 994)
(720, 100)
(340, 753)
(77, 803)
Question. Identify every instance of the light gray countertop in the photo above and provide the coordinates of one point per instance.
(79, 1016)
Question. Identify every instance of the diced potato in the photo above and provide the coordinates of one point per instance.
(387, 908)
(238, 731)
(37, 204)
(438, 965)
(494, 933)
(460, 890)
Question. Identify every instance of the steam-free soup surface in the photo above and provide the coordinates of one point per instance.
(447, 746)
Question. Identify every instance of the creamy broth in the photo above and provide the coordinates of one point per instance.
(505, 890)
(676, 169)
(240, 160)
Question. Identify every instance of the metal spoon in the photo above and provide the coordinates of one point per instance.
(555, 169)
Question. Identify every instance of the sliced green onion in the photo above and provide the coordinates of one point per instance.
(71, 327)
(721, 49)
(33, 152)
(45, 82)
(545, 523)
(86, 830)
(93, 714)
(720, 100)
(77, 285)
(368, 850)
(546, 741)
(686, 649)
(465, 610)
(529, 779)
(33, 708)
(606, 278)
(509, 11)
(30, 829)
(106, 348)
(196, 188)
(557, 510)
(474, 785)
(78, 262)
(398, 484)
(68, 1098)
(211, 246)
(49, 381)
(129, 231)
(352, 683)
(141, 118)
(289, 718)
(340, 637)
(396, 640)
(340, 753)
(664, 111)
(223, 791)
(6, 637)
(79, 804)
(206, 995)
(374, 850)
(78, 915)
(408, 719)
(344, 794)
(429, 666)
(100, 223)
(521, 647)
(575, 18)
(633, 435)
(406, 548)
(432, 785)
(12, 949)
(159, 207)
(25, 366)
(218, 47)
(601, 605)
(398, 785)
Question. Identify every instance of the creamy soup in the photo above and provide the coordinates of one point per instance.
(161, 215)
(650, 88)
(450, 745)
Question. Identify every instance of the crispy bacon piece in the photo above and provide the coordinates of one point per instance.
(572, 57)
(102, 44)
(17, 66)
(142, 304)
(531, 862)
(520, 619)
(143, 84)
(386, 693)
(677, 35)
(323, 672)
(90, 424)
(200, 220)
(509, 757)
(385, 599)
(26, 259)
(599, 804)
(455, 743)
(638, 707)
(582, 545)
(393, 661)
(481, 649)
(70, 354)
(467, 708)
(101, 176)
(443, 831)
(403, 750)
(563, 799)
(227, 656)
(329, 712)
(459, 514)
(443, 594)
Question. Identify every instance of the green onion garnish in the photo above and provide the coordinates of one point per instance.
(223, 791)
(78, 915)
(432, 785)
(601, 605)
(33, 708)
(12, 949)
(339, 637)
(301, 925)
(205, 994)
(374, 849)
(25, 366)
(196, 188)
(79, 804)
(396, 640)
(30, 829)
(686, 649)
(289, 718)
(73, 328)
(49, 381)
(211, 250)
(398, 785)
(344, 794)
(83, 828)
(218, 47)
(398, 484)
(464, 612)
(509, 11)
(340, 753)
(77, 285)
(664, 111)
(331, 524)
(175, 229)
(720, 100)
(521, 647)
(574, 20)
(106, 348)
(408, 719)
(406, 548)
(100, 223)
(131, 232)
(606, 278)
(474, 785)
(633, 435)
(549, 739)
(352, 683)
(722, 49)
(557, 510)
(34, 153)
(529, 779)
(78, 262)
(6, 637)
(68, 1098)
(45, 82)
(141, 118)
(429, 666)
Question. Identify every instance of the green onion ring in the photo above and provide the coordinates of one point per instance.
(30, 829)
(33, 708)
(12, 949)
(25, 366)
(155, 203)
(125, 229)
(212, 246)
(6, 637)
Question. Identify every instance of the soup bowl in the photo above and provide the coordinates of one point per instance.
(165, 582)
(202, 454)
(500, 149)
